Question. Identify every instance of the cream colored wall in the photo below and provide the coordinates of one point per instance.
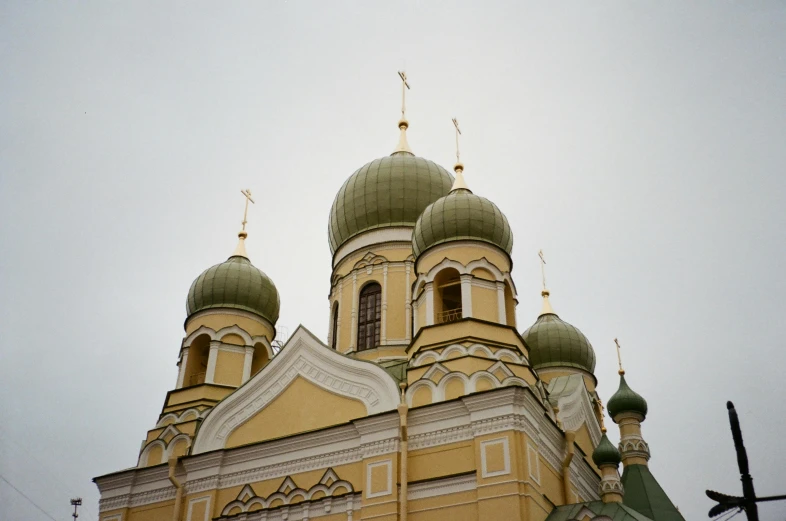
(445, 460)
(229, 368)
(396, 302)
(290, 414)
(484, 304)
(392, 252)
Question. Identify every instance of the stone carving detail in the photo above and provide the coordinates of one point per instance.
(289, 493)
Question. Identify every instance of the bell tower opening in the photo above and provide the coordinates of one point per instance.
(196, 365)
(447, 305)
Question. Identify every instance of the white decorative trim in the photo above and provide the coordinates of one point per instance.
(505, 456)
(248, 358)
(232, 348)
(533, 463)
(194, 501)
(442, 487)
(302, 356)
(408, 304)
(366, 239)
(501, 311)
(234, 330)
(466, 296)
(389, 488)
(212, 358)
(219, 311)
(115, 517)
(181, 367)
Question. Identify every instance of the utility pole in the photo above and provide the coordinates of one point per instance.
(76, 502)
(748, 500)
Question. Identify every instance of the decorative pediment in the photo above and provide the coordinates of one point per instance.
(288, 493)
(302, 357)
(370, 259)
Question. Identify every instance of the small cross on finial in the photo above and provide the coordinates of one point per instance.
(404, 87)
(542, 269)
(619, 357)
(458, 133)
(247, 194)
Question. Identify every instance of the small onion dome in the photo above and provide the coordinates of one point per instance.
(606, 453)
(626, 400)
(234, 284)
(553, 342)
(462, 215)
(387, 192)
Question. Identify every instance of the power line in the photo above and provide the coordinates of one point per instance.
(27, 498)
(47, 471)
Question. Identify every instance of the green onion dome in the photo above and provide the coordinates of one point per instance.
(606, 453)
(387, 192)
(234, 284)
(462, 215)
(553, 342)
(626, 400)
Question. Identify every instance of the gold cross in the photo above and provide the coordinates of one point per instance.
(542, 268)
(619, 358)
(247, 194)
(458, 133)
(404, 87)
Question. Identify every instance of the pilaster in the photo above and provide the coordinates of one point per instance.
(247, 364)
(466, 296)
(501, 303)
(181, 372)
(429, 304)
(212, 357)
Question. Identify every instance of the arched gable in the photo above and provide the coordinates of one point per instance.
(303, 356)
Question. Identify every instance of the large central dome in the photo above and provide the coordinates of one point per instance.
(390, 191)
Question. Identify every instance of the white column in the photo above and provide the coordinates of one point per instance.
(414, 318)
(383, 334)
(501, 302)
(466, 296)
(429, 303)
(408, 318)
(181, 372)
(247, 364)
(210, 373)
(340, 310)
(354, 333)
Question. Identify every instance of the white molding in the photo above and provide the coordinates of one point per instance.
(533, 469)
(234, 330)
(505, 456)
(501, 311)
(220, 311)
(442, 487)
(115, 517)
(194, 501)
(389, 488)
(232, 348)
(302, 356)
(372, 237)
(212, 359)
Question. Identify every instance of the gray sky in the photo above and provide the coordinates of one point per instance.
(640, 145)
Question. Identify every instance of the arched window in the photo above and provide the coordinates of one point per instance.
(334, 335)
(369, 316)
(447, 305)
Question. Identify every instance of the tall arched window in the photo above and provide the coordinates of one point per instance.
(369, 316)
(334, 335)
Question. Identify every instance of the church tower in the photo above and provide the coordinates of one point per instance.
(370, 234)
(231, 314)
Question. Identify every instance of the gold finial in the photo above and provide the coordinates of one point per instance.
(459, 183)
(403, 124)
(619, 358)
(240, 250)
(547, 309)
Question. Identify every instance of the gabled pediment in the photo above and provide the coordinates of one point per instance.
(304, 375)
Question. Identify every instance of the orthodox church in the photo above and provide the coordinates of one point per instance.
(424, 402)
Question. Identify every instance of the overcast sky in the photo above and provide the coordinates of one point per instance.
(640, 145)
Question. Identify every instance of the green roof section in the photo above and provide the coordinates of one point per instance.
(626, 400)
(555, 343)
(615, 511)
(606, 453)
(462, 215)
(234, 284)
(390, 191)
(644, 494)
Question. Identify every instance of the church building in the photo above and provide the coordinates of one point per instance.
(426, 401)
